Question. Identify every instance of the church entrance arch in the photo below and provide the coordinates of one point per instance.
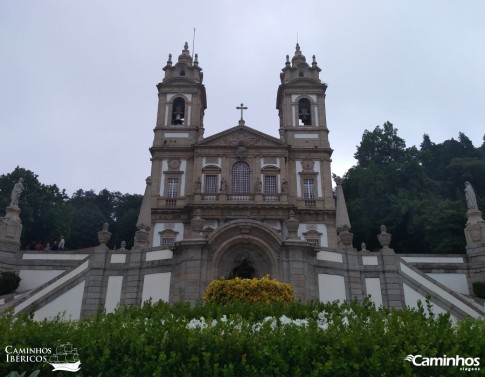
(246, 249)
(244, 260)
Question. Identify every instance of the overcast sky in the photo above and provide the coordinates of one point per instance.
(77, 78)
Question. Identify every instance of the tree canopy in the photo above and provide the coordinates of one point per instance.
(47, 213)
(416, 193)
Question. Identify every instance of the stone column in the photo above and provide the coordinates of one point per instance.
(189, 271)
(96, 282)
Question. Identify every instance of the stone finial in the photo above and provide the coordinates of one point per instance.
(123, 245)
(298, 57)
(196, 60)
(345, 237)
(197, 224)
(384, 237)
(169, 61)
(142, 235)
(185, 55)
(287, 64)
(292, 225)
(104, 235)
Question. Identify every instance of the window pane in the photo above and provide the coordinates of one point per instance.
(308, 189)
(270, 184)
(240, 178)
(211, 183)
(167, 242)
(172, 187)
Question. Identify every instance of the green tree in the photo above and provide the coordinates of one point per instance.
(383, 188)
(92, 210)
(87, 220)
(417, 194)
(45, 213)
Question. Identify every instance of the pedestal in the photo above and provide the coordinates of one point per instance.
(11, 225)
(475, 228)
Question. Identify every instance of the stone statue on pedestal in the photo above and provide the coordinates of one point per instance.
(16, 192)
(471, 199)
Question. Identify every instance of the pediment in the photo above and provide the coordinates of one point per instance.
(238, 135)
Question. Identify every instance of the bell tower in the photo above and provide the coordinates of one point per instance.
(181, 102)
(303, 127)
(301, 103)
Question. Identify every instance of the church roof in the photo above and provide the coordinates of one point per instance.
(247, 135)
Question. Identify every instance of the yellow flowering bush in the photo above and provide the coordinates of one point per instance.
(265, 290)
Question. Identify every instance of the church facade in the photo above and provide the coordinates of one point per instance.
(239, 203)
(231, 197)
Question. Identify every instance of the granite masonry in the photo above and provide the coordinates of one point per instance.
(240, 200)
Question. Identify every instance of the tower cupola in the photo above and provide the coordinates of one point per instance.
(185, 67)
(299, 68)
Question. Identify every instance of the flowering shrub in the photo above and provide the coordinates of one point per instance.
(258, 339)
(248, 290)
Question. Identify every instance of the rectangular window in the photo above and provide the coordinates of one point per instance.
(309, 193)
(313, 241)
(172, 188)
(270, 186)
(211, 184)
(166, 242)
(308, 189)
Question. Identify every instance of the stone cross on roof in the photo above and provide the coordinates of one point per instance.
(242, 108)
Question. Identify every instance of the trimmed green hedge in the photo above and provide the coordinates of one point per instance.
(254, 340)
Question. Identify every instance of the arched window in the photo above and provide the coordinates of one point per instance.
(304, 112)
(240, 178)
(178, 111)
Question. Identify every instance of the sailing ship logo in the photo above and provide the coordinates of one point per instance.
(66, 358)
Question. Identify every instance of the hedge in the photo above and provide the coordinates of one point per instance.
(239, 339)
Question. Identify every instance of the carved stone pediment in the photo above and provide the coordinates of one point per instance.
(241, 136)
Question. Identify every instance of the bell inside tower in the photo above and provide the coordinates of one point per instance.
(304, 113)
(178, 109)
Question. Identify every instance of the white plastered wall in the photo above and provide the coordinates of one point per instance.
(331, 287)
(32, 279)
(156, 287)
(373, 288)
(113, 293)
(67, 305)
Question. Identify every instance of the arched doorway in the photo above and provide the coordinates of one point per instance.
(244, 260)
(245, 248)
